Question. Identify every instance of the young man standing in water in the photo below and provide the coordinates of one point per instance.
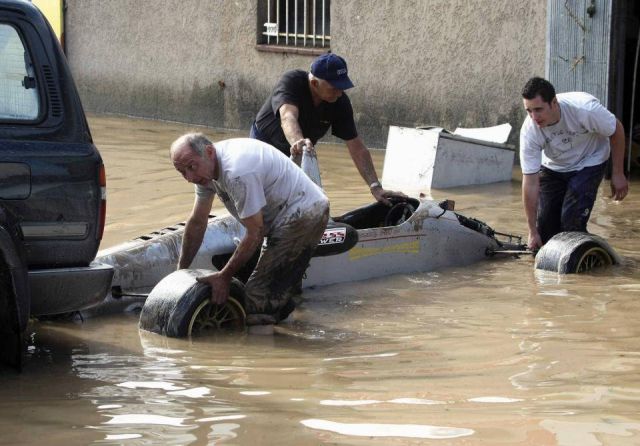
(565, 142)
(302, 107)
(272, 198)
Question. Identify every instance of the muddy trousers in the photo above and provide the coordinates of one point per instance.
(566, 199)
(282, 263)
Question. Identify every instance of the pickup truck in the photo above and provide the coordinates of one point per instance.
(52, 183)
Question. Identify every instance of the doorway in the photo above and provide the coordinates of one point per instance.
(624, 45)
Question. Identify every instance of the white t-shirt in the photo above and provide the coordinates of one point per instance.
(580, 139)
(255, 176)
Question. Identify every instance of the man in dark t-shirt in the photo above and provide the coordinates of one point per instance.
(302, 107)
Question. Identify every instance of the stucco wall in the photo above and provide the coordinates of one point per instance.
(414, 62)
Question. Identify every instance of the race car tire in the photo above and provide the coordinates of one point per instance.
(575, 252)
(180, 306)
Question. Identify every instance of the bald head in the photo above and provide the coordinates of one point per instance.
(194, 141)
(193, 155)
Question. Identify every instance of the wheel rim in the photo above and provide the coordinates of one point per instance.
(208, 317)
(593, 258)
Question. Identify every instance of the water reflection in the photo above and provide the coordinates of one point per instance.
(491, 353)
(389, 430)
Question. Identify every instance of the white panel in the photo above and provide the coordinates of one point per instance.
(409, 158)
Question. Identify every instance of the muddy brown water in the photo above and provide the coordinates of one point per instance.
(490, 354)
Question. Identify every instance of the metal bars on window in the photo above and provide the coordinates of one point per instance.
(299, 23)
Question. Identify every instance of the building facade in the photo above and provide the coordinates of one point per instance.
(446, 63)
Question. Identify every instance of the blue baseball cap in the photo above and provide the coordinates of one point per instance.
(333, 69)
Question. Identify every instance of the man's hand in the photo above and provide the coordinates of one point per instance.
(219, 284)
(534, 241)
(619, 187)
(383, 195)
(296, 147)
(220, 281)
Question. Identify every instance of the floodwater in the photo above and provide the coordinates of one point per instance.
(491, 354)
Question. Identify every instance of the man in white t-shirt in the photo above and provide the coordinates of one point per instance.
(565, 143)
(272, 198)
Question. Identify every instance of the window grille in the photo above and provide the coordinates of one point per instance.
(298, 23)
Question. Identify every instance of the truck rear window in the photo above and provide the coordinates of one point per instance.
(19, 98)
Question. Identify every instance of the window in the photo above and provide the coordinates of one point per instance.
(295, 23)
(19, 99)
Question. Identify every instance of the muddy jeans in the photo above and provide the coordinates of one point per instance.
(566, 199)
(282, 264)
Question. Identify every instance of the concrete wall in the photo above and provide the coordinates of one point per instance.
(414, 62)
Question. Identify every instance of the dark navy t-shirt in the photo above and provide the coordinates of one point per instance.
(293, 88)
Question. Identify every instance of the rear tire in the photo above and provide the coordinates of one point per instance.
(180, 306)
(575, 252)
(11, 340)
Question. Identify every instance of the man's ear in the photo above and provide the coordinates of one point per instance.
(209, 150)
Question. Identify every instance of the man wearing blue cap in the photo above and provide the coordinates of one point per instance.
(302, 107)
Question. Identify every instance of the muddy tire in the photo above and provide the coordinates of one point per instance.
(575, 252)
(179, 306)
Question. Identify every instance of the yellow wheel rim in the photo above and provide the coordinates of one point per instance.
(593, 258)
(210, 317)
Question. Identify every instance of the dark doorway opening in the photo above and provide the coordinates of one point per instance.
(626, 26)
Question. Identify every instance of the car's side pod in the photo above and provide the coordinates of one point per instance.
(337, 238)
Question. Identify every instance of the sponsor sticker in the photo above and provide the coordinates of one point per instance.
(333, 236)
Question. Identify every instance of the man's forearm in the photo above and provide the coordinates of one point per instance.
(191, 241)
(362, 159)
(364, 164)
(245, 250)
(291, 129)
(617, 150)
(530, 195)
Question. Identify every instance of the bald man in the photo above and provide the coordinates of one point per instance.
(271, 197)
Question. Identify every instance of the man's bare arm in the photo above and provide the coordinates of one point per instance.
(251, 241)
(619, 183)
(530, 197)
(364, 163)
(289, 122)
(220, 281)
(194, 230)
(362, 159)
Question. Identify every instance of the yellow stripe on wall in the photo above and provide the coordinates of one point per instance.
(52, 10)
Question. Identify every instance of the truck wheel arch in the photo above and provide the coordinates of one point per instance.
(15, 299)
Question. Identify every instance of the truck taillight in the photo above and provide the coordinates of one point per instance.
(103, 202)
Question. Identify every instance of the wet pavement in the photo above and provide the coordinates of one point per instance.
(488, 354)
